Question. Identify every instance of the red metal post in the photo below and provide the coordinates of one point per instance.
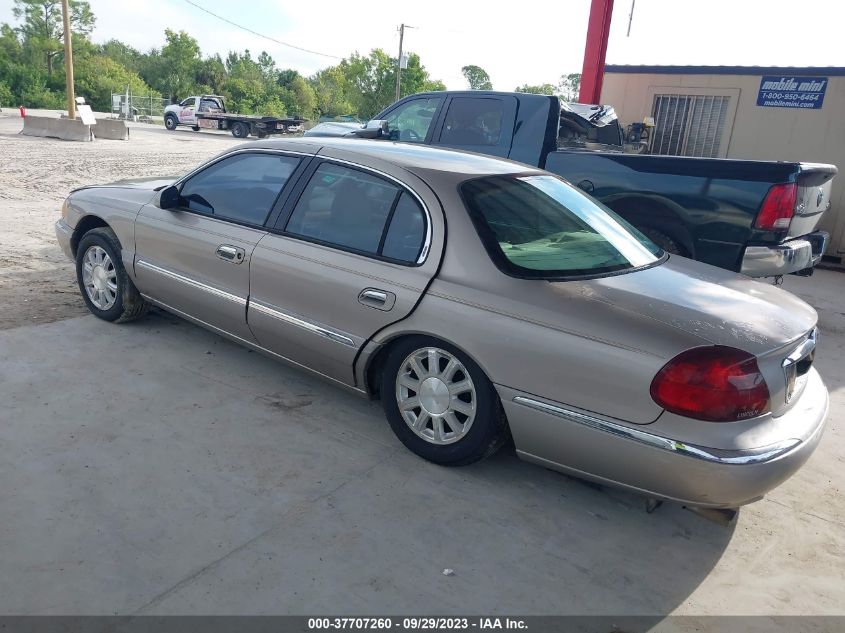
(598, 32)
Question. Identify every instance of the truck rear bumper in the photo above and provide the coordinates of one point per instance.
(782, 259)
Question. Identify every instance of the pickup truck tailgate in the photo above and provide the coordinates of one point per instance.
(813, 197)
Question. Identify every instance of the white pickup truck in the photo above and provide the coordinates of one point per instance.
(209, 112)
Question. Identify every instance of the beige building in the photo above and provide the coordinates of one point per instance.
(750, 112)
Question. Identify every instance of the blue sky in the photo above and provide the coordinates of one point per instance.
(532, 41)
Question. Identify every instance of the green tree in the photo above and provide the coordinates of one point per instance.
(542, 89)
(569, 86)
(477, 78)
(6, 96)
(211, 75)
(43, 29)
(98, 77)
(174, 69)
(330, 89)
(123, 54)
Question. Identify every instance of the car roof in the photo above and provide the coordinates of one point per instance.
(414, 158)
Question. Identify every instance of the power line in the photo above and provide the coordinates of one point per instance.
(266, 37)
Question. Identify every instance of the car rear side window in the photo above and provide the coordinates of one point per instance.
(540, 227)
(473, 121)
(361, 212)
(404, 238)
(242, 188)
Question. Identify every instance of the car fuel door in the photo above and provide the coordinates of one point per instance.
(353, 253)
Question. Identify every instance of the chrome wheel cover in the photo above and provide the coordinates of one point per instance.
(436, 395)
(99, 277)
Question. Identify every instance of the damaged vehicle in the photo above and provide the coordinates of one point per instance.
(754, 217)
(479, 299)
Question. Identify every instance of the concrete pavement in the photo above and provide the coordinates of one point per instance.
(157, 468)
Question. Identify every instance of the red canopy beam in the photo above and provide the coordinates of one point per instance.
(598, 32)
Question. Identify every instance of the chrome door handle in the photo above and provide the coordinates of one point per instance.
(378, 299)
(376, 296)
(231, 253)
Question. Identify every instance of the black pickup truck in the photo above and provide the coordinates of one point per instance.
(754, 217)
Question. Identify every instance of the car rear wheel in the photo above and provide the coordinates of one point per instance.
(440, 404)
(106, 287)
(240, 130)
(171, 122)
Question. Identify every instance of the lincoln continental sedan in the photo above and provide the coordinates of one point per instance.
(480, 300)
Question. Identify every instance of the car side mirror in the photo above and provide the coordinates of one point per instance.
(169, 197)
(377, 128)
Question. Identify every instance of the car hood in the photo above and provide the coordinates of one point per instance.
(709, 303)
(333, 128)
(150, 183)
(123, 193)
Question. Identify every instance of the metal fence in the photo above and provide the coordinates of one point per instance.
(138, 107)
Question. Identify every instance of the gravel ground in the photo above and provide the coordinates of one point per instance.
(37, 282)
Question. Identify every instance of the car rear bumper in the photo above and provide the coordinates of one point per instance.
(63, 235)
(782, 259)
(637, 458)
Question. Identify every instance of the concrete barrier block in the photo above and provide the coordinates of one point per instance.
(65, 129)
(113, 129)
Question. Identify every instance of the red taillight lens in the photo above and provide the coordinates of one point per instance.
(717, 384)
(778, 208)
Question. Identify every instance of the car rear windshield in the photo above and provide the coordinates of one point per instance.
(538, 226)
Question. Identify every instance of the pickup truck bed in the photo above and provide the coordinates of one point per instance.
(707, 206)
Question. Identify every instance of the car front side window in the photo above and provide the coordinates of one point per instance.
(411, 121)
(241, 188)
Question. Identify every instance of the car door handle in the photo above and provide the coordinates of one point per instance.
(375, 298)
(231, 253)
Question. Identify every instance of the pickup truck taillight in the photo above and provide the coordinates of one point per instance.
(778, 207)
(716, 384)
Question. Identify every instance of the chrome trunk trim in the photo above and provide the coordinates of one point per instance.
(719, 456)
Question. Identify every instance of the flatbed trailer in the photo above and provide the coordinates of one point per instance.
(242, 125)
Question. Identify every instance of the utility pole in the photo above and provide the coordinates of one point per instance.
(71, 102)
(402, 28)
(631, 17)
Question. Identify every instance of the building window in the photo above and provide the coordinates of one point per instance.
(688, 125)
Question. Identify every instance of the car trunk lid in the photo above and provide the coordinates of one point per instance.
(715, 305)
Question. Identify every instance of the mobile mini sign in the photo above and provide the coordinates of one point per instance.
(791, 92)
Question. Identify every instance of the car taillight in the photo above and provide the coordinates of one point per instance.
(717, 384)
(778, 208)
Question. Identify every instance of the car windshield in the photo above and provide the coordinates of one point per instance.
(541, 227)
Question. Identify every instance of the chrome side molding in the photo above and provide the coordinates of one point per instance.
(719, 456)
(337, 337)
(191, 282)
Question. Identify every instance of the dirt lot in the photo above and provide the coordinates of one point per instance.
(180, 473)
(36, 280)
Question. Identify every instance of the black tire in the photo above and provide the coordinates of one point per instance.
(668, 244)
(195, 128)
(487, 432)
(128, 304)
(171, 122)
(240, 129)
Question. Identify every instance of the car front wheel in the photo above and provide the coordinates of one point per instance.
(106, 287)
(171, 122)
(440, 404)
